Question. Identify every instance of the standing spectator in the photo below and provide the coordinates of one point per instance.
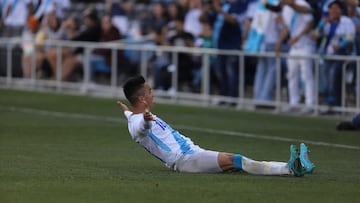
(263, 36)
(226, 26)
(337, 32)
(192, 22)
(14, 17)
(205, 37)
(344, 3)
(354, 14)
(297, 25)
(56, 7)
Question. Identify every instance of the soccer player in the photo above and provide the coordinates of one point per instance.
(181, 154)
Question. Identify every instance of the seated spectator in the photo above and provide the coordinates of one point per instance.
(160, 64)
(72, 58)
(48, 31)
(69, 28)
(186, 62)
(155, 21)
(354, 124)
(172, 14)
(117, 12)
(101, 58)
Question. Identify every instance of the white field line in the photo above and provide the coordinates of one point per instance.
(191, 128)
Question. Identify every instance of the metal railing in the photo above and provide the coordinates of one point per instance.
(204, 98)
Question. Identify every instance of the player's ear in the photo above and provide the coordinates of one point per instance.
(141, 99)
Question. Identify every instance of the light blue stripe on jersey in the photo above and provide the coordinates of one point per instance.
(292, 23)
(184, 146)
(237, 161)
(162, 145)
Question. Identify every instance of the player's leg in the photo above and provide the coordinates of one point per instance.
(204, 161)
(239, 162)
(259, 167)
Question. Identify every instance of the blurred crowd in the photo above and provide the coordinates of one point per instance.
(297, 27)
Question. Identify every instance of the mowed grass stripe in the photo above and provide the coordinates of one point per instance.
(191, 128)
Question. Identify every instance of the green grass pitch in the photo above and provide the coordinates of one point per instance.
(63, 148)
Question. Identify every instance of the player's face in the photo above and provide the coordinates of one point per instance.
(148, 96)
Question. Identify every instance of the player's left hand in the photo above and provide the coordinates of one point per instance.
(122, 106)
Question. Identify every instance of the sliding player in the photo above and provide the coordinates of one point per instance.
(181, 154)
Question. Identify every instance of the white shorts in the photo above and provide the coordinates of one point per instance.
(200, 162)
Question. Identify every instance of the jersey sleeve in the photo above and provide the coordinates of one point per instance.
(138, 127)
(127, 114)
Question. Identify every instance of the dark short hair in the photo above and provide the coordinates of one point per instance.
(337, 2)
(132, 87)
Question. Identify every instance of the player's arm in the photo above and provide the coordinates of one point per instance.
(125, 109)
(140, 125)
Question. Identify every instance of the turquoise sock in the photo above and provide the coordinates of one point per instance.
(237, 161)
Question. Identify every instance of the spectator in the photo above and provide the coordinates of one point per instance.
(192, 22)
(263, 36)
(354, 14)
(354, 124)
(73, 58)
(49, 31)
(337, 32)
(51, 6)
(186, 63)
(226, 25)
(116, 10)
(205, 38)
(160, 64)
(156, 20)
(183, 7)
(298, 26)
(14, 17)
(172, 15)
(101, 59)
(69, 28)
(344, 4)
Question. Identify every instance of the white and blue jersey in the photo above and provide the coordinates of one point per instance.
(159, 139)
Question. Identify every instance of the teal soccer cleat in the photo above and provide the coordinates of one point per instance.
(305, 159)
(294, 163)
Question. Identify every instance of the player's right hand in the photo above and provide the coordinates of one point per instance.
(148, 116)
